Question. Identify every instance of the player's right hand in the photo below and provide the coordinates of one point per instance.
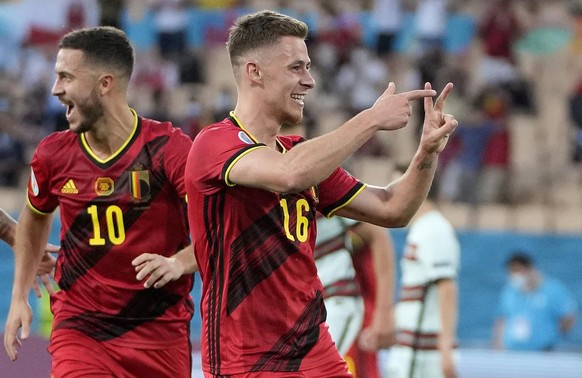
(20, 315)
(392, 110)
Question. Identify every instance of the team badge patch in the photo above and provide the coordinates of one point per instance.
(139, 183)
(33, 183)
(244, 137)
(104, 186)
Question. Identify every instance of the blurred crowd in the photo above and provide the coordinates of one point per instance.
(509, 61)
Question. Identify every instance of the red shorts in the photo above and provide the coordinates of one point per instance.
(335, 370)
(76, 355)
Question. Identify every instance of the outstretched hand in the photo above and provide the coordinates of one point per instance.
(437, 125)
(158, 269)
(392, 110)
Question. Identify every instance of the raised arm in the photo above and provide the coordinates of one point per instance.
(312, 161)
(30, 241)
(395, 204)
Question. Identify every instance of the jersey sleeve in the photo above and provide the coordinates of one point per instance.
(214, 152)
(439, 249)
(176, 155)
(39, 196)
(338, 190)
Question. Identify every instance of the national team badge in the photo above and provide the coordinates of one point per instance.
(104, 186)
(139, 183)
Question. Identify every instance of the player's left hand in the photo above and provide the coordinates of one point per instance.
(158, 269)
(46, 271)
(437, 125)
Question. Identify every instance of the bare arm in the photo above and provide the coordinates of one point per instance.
(381, 330)
(312, 161)
(30, 241)
(7, 228)
(447, 296)
(498, 329)
(160, 270)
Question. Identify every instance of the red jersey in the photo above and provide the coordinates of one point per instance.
(112, 211)
(262, 301)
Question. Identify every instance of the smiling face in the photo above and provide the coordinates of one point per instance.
(285, 78)
(77, 87)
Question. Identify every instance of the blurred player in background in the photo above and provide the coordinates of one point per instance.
(426, 313)
(377, 290)
(118, 181)
(343, 296)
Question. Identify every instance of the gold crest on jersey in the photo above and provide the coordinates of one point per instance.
(104, 186)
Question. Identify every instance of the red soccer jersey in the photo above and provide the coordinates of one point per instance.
(111, 212)
(262, 301)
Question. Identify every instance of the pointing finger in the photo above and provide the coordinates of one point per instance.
(419, 93)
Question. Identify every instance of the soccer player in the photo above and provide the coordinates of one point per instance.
(334, 254)
(426, 313)
(117, 179)
(373, 259)
(253, 197)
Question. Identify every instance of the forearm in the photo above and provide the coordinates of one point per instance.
(30, 240)
(447, 294)
(187, 259)
(314, 160)
(7, 228)
(383, 258)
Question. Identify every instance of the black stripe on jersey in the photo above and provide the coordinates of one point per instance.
(144, 306)
(326, 210)
(80, 261)
(233, 158)
(214, 227)
(109, 163)
(255, 254)
(290, 350)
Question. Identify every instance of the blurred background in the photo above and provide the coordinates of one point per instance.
(511, 177)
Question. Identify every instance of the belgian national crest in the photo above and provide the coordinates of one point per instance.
(139, 183)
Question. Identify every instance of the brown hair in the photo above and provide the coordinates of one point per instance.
(261, 29)
(103, 46)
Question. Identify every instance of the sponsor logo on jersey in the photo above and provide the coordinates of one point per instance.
(244, 137)
(70, 188)
(104, 186)
(33, 183)
(139, 183)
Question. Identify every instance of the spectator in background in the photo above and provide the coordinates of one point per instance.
(534, 309)
(498, 30)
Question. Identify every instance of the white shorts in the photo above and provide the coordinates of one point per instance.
(345, 316)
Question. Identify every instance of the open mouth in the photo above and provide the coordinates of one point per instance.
(70, 109)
